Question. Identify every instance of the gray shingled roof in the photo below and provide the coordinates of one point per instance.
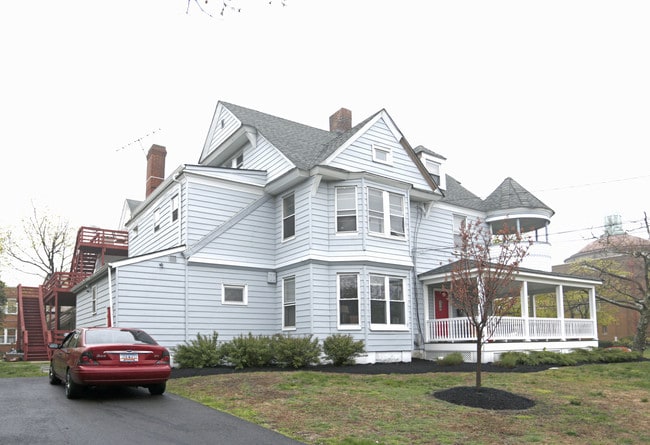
(508, 195)
(305, 146)
(511, 195)
(458, 195)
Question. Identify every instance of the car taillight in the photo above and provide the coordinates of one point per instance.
(86, 358)
(164, 359)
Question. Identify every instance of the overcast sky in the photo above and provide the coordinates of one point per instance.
(555, 94)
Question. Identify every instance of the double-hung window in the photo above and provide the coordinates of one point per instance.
(12, 307)
(156, 220)
(348, 296)
(8, 336)
(385, 213)
(288, 216)
(289, 302)
(387, 305)
(93, 301)
(174, 205)
(346, 209)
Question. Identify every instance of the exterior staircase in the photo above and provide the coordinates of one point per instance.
(94, 247)
(33, 335)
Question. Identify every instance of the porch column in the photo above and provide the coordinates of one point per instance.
(559, 302)
(592, 311)
(524, 310)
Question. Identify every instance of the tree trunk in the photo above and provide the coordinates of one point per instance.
(641, 331)
(479, 359)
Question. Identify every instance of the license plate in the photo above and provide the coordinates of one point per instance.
(129, 358)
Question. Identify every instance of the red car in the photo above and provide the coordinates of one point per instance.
(109, 356)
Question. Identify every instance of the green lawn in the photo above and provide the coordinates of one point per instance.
(595, 404)
(22, 369)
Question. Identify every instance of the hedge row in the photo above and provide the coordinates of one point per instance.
(260, 351)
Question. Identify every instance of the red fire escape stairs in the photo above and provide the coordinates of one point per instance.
(93, 248)
(32, 334)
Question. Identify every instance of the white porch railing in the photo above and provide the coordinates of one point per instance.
(512, 329)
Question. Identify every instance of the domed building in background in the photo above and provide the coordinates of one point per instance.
(614, 245)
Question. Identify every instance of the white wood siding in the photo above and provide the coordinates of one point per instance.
(206, 313)
(249, 242)
(268, 158)
(218, 133)
(359, 157)
(151, 296)
(212, 204)
(169, 234)
(84, 314)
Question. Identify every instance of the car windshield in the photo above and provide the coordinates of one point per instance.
(122, 336)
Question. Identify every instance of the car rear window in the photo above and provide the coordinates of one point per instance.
(123, 336)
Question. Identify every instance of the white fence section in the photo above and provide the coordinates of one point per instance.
(511, 329)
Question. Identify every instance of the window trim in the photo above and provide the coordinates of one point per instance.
(14, 306)
(348, 326)
(388, 326)
(383, 149)
(156, 219)
(4, 336)
(336, 210)
(386, 214)
(174, 203)
(292, 216)
(243, 287)
(286, 305)
(93, 299)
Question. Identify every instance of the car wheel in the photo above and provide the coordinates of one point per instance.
(157, 389)
(54, 380)
(72, 389)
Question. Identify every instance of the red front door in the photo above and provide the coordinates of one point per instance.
(441, 311)
(441, 301)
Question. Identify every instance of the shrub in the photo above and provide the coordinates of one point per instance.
(511, 359)
(200, 353)
(295, 352)
(248, 351)
(455, 358)
(342, 349)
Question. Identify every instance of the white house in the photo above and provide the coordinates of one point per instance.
(285, 228)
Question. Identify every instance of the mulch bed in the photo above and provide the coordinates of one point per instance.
(417, 366)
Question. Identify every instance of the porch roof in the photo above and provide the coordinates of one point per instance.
(542, 278)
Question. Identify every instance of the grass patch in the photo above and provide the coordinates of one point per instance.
(22, 369)
(601, 403)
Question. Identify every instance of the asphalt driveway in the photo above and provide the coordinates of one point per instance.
(35, 412)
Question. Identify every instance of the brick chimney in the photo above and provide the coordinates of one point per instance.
(341, 121)
(155, 167)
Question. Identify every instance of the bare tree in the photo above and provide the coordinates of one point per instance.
(622, 263)
(3, 302)
(43, 247)
(482, 284)
(222, 6)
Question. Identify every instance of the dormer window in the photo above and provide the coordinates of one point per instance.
(237, 161)
(382, 154)
(434, 169)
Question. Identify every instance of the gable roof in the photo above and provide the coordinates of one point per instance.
(305, 146)
(300, 143)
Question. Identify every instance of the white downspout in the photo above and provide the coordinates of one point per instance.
(110, 296)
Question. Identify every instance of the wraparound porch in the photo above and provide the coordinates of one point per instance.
(509, 329)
